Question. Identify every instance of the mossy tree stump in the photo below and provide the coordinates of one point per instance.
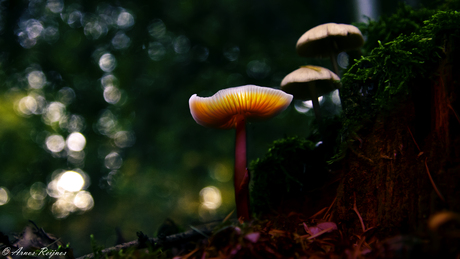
(414, 133)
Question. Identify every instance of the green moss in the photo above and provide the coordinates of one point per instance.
(291, 167)
(404, 21)
(377, 83)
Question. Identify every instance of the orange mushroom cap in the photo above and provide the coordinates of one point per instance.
(226, 107)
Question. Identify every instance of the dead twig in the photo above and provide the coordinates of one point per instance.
(318, 213)
(176, 238)
(432, 183)
(325, 214)
(427, 169)
(414, 139)
(357, 213)
(452, 109)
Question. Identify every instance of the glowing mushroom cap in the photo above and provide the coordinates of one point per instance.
(298, 81)
(226, 107)
(329, 37)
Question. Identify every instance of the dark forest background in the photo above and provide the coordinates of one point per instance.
(95, 128)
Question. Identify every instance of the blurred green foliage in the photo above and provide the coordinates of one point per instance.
(121, 73)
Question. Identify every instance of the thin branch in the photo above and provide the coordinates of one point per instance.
(318, 213)
(357, 212)
(432, 183)
(456, 116)
(184, 236)
(413, 139)
(325, 214)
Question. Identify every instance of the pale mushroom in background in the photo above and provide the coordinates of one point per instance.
(328, 40)
(309, 83)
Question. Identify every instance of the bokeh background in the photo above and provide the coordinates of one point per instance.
(95, 128)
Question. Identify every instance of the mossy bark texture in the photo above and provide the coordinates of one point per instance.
(388, 173)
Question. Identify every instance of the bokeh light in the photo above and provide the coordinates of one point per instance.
(4, 196)
(72, 202)
(27, 105)
(210, 197)
(109, 80)
(123, 139)
(37, 79)
(181, 44)
(157, 29)
(76, 141)
(38, 191)
(31, 104)
(106, 125)
(73, 123)
(83, 200)
(50, 34)
(125, 20)
(73, 18)
(257, 69)
(231, 52)
(107, 62)
(121, 40)
(221, 172)
(55, 143)
(35, 204)
(336, 97)
(66, 95)
(54, 112)
(112, 94)
(25, 41)
(55, 6)
(342, 60)
(77, 158)
(156, 51)
(200, 53)
(71, 181)
(34, 28)
(113, 161)
(305, 106)
(94, 26)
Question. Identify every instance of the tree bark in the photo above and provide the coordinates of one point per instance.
(389, 173)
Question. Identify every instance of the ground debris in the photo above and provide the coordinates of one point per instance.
(295, 236)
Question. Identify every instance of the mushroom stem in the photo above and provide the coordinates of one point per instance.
(241, 176)
(334, 62)
(316, 107)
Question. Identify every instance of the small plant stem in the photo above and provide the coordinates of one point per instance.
(452, 109)
(427, 169)
(325, 214)
(241, 176)
(410, 132)
(432, 183)
(357, 213)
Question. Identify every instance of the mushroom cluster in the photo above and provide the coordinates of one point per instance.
(311, 82)
(232, 108)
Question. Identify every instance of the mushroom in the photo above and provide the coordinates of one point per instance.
(309, 83)
(329, 39)
(231, 108)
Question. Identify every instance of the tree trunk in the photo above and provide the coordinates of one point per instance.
(389, 173)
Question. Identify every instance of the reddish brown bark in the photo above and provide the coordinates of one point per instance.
(390, 172)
